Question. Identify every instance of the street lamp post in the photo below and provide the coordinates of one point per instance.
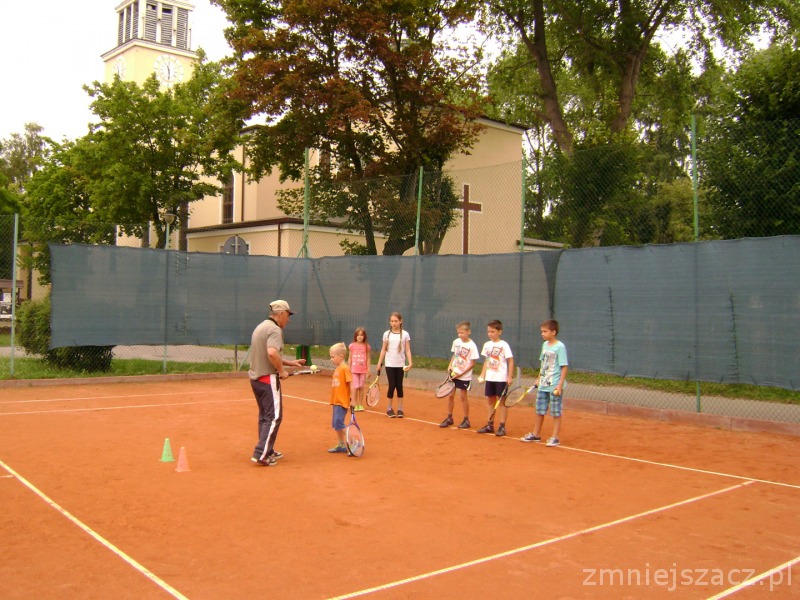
(169, 219)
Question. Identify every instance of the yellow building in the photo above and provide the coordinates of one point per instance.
(155, 36)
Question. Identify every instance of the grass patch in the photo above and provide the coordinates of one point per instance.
(34, 368)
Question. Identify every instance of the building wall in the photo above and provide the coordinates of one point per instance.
(492, 170)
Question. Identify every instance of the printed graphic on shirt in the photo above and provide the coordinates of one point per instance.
(460, 358)
(548, 368)
(495, 358)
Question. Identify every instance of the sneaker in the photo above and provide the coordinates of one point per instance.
(553, 441)
(264, 462)
(501, 431)
(337, 449)
(529, 437)
(276, 455)
(400, 414)
(447, 422)
(390, 414)
(488, 428)
(464, 424)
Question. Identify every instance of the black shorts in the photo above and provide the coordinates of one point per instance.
(495, 388)
(462, 384)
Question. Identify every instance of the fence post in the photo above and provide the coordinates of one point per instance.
(15, 248)
(522, 213)
(696, 237)
(306, 198)
(419, 206)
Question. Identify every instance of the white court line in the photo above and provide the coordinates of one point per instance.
(522, 549)
(753, 580)
(137, 566)
(98, 408)
(96, 398)
(682, 468)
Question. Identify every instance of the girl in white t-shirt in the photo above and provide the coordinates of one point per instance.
(396, 351)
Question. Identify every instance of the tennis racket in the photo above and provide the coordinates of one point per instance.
(303, 372)
(374, 392)
(445, 388)
(517, 395)
(353, 436)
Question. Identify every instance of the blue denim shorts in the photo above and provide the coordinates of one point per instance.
(339, 414)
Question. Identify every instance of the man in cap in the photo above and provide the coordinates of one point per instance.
(266, 370)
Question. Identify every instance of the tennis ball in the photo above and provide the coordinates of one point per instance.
(480, 379)
(314, 367)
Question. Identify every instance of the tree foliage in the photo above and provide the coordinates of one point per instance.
(592, 78)
(376, 86)
(20, 157)
(153, 145)
(751, 152)
(148, 153)
(583, 49)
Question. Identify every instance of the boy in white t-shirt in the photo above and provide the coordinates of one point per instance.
(497, 372)
(465, 353)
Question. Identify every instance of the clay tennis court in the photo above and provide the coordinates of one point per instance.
(625, 508)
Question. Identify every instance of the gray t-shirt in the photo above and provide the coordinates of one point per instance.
(268, 334)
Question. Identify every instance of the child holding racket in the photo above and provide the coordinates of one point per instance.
(396, 350)
(465, 353)
(340, 395)
(497, 372)
(359, 365)
(551, 380)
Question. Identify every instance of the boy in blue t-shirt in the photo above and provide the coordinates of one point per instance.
(551, 381)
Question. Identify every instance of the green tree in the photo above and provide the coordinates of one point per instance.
(152, 146)
(59, 204)
(148, 154)
(378, 87)
(656, 139)
(21, 155)
(605, 48)
(750, 155)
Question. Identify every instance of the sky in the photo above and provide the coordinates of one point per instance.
(47, 58)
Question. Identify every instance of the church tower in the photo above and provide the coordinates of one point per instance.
(152, 37)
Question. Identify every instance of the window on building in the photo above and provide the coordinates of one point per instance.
(166, 24)
(227, 200)
(151, 21)
(182, 34)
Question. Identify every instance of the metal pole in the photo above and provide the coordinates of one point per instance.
(694, 178)
(306, 199)
(522, 214)
(14, 292)
(696, 237)
(419, 207)
(168, 219)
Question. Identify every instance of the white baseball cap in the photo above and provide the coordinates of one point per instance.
(278, 305)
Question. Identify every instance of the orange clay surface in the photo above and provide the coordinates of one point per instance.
(625, 508)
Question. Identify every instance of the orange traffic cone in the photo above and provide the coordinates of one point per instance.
(183, 462)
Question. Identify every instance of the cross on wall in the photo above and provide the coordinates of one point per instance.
(466, 207)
